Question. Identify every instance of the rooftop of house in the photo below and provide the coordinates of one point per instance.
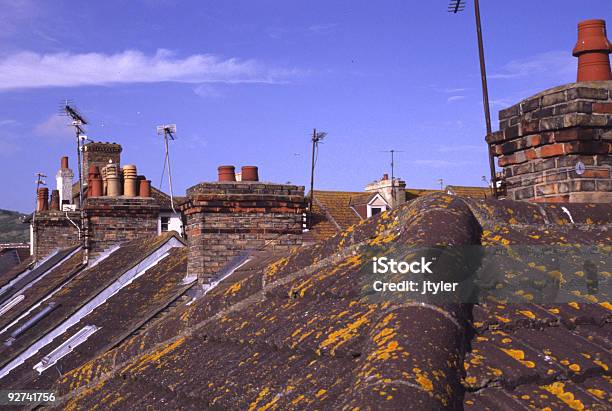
(335, 211)
(45, 307)
(295, 330)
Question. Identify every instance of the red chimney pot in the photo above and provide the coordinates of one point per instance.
(592, 50)
(227, 173)
(144, 188)
(42, 200)
(250, 173)
(55, 205)
(64, 163)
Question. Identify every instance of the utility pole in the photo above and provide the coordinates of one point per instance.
(316, 139)
(456, 6)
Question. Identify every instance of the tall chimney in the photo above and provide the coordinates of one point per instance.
(592, 50)
(130, 181)
(63, 179)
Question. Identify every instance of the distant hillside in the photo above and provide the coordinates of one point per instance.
(12, 230)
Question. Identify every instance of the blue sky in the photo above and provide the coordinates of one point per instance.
(246, 81)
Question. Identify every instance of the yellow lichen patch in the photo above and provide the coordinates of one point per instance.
(574, 367)
(260, 397)
(606, 305)
(502, 319)
(601, 364)
(276, 266)
(598, 393)
(155, 355)
(320, 393)
(233, 289)
(470, 380)
(519, 355)
(424, 382)
(553, 310)
(574, 305)
(528, 314)
(339, 337)
(558, 390)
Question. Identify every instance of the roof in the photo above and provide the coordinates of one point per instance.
(468, 191)
(115, 295)
(295, 330)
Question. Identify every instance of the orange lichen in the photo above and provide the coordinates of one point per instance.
(558, 389)
(518, 355)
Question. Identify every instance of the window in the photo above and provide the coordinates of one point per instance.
(165, 223)
(376, 210)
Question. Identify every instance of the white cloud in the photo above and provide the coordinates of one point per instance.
(55, 126)
(559, 64)
(33, 70)
(454, 98)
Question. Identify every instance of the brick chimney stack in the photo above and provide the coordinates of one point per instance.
(99, 154)
(386, 188)
(226, 217)
(556, 146)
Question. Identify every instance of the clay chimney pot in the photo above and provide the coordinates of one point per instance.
(249, 173)
(227, 173)
(145, 188)
(55, 203)
(64, 163)
(592, 50)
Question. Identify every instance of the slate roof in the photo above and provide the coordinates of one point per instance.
(294, 331)
(71, 285)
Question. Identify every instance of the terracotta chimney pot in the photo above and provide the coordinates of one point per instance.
(64, 163)
(385, 177)
(249, 173)
(227, 173)
(145, 188)
(131, 186)
(55, 204)
(592, 50)
(42, 199)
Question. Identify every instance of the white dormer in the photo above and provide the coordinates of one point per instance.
(377, 205)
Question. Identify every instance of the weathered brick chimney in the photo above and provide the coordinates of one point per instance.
(556, 146)
(99, 154)
(393, 191)
(226, 217)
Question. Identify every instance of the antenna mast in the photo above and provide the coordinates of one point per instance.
(168, 131)
(456, 6)
(78, 121)
(317, 137)
(392, 171)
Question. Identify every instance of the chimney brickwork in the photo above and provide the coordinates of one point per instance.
(394, 192)
(113, 220)
(99, 154)
(227, 217)
(52, 231)
(543, 138)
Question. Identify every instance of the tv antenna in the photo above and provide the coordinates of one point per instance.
(454, 7)
(78, 122)
(168, 131)
(317, 137)
(441, 181)
(392, 152)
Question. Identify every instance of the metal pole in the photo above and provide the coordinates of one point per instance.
(169, 172)
(312, 167)
(485, 94)
(78, 137)
(392, 179)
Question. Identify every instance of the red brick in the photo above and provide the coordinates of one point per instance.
(605, 108)
(550, 150)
